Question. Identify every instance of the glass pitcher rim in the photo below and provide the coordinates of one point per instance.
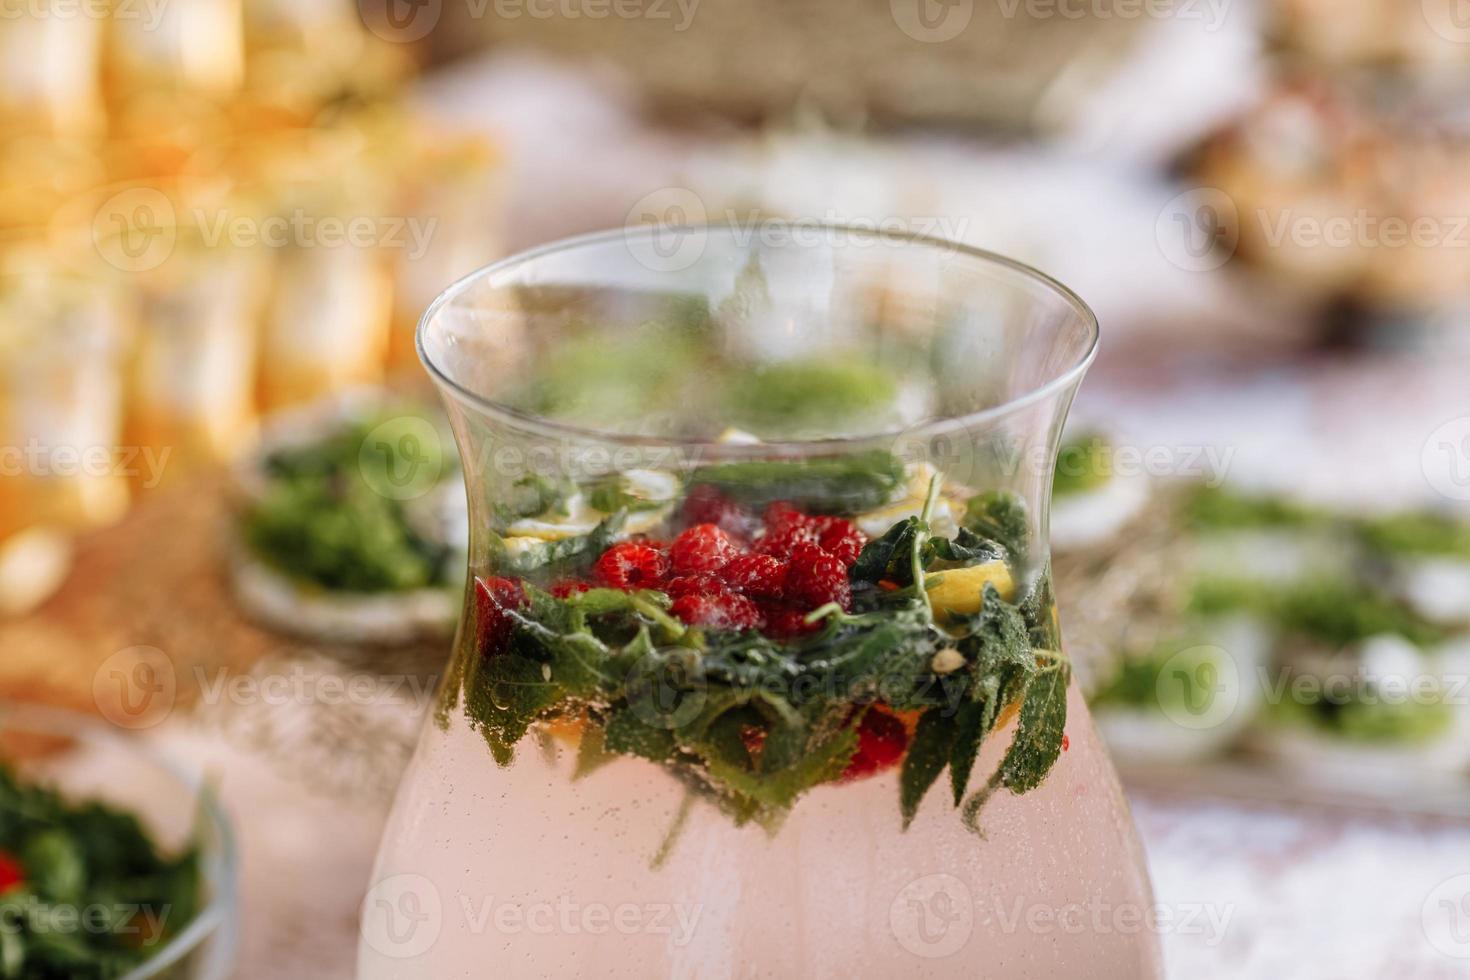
(713, 449)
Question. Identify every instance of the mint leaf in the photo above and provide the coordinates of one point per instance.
(964, 549)
(928, 754)
(841, 484)
(972, 724)
(997, 640)
(592, 751)
(774, 792)
(503, 695)
(1038, 740)
(890, 557)
(631, 735)
(1000, 516)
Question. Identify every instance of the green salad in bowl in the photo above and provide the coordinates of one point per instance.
(350, 524)
(113, 863)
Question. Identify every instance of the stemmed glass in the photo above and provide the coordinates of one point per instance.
(758, 671)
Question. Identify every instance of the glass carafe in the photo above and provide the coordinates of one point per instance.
(758, 672)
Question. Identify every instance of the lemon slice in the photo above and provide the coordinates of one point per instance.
(577, 517)
(962, 590)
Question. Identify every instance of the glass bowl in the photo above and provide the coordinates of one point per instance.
(86, 760)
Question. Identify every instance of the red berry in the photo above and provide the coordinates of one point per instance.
(719, 610)
(566, 587)
(782, 513)
(632, 565)
(12, 872)
(786, 529)
(706, 505)
(761, 576)
(882, 740)
(840, 538)
(494, 597)
(817, 578)
(702, 548)
(785, 621)
(700, 583)
(1066, 742)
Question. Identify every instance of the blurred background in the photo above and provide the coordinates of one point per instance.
(221, 219)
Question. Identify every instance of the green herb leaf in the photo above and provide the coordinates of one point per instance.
(631, 735)
(1038, 740)
(1001, 517)
(889, 557)
(972, 724)
(843, 484)
(928, 754)
(964, 549)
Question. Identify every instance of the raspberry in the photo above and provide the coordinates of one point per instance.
(761, 576)
(699, 583)
(781, 513)
(718, 610)
(785, 621)
(494, 597)
(817, 578)
(702, 548)
(566, 587)
(786, 529)
(706, 505)
(632, 565)
(12, 872)
(882, 740)
(840, 538)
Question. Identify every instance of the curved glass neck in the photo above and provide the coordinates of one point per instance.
(680, 350)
